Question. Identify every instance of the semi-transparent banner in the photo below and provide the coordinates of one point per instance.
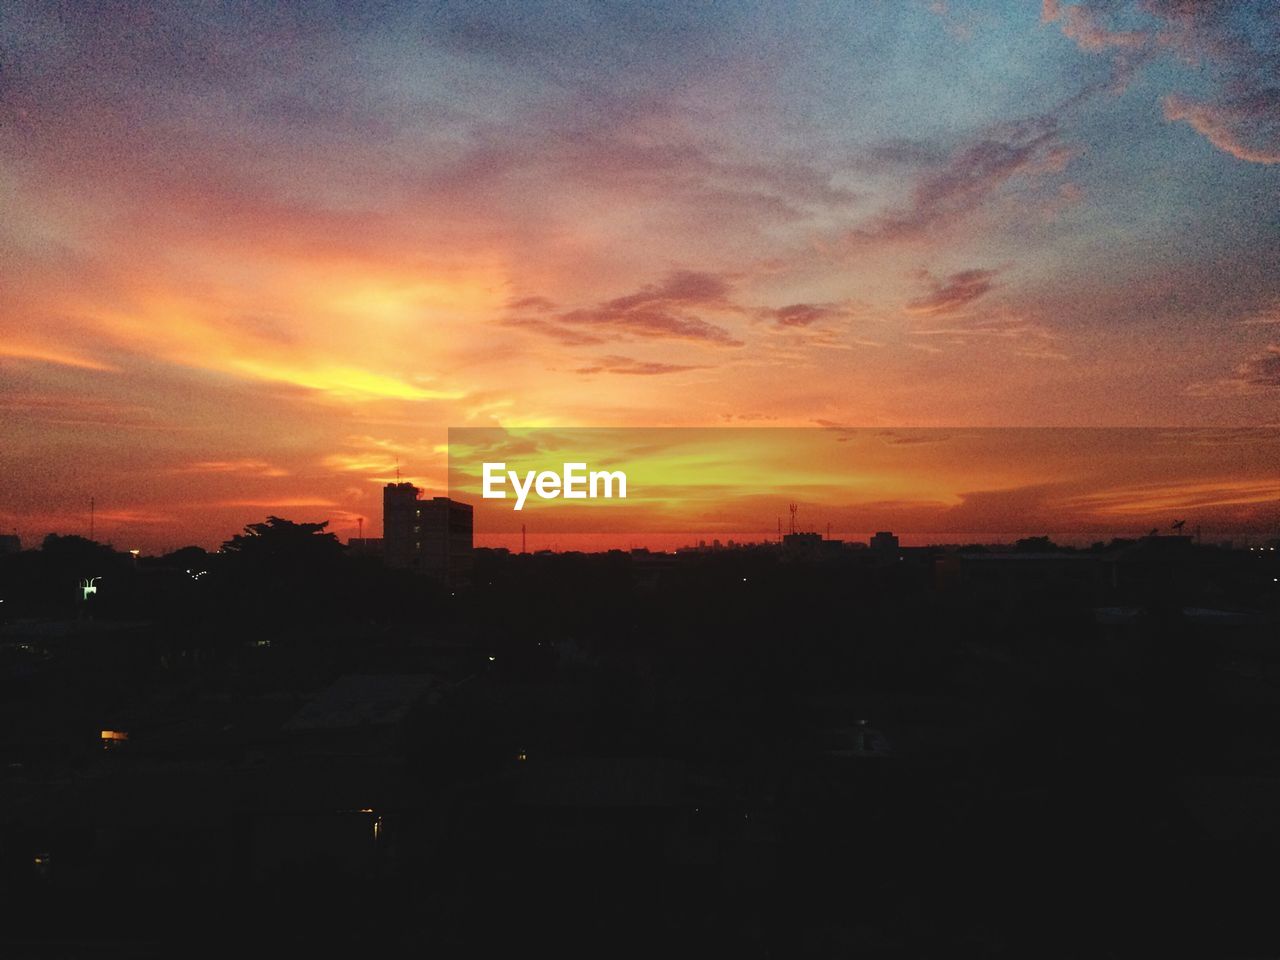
(662, 488)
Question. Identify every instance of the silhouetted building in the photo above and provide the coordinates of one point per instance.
(884, 540)
(432, 536)
(802, 546)
(9, 543)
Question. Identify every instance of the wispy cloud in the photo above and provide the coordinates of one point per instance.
(1239, 41)
(1245, 126)
(973, 172)
(1260, 372)
(246, 466)
(803, 314)
(667, 310)
(953, 293)
(626, 365)
(45, 355)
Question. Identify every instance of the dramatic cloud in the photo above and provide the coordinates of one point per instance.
(954, 293)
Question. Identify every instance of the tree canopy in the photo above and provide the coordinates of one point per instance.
(285, 541)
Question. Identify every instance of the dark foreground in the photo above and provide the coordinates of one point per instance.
(733, 754)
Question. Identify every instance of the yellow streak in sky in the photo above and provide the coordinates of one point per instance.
(343, 381)
(51, 356)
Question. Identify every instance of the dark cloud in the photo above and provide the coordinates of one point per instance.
(615, 364)
(954, 293)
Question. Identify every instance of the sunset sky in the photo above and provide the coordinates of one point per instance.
(932, 485)
(254, 259)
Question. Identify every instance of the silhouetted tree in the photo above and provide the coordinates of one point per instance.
(79, 551)
(283, 541)
(283, 571)
(187, 558)
(1035, 545)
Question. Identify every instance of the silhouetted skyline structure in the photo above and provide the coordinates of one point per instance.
(320, 748)
(432, 536)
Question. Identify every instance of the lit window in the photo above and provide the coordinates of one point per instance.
(113, 738)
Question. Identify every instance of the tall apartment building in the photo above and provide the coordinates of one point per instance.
(432, 536)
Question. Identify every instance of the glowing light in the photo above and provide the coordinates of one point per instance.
(113, 738)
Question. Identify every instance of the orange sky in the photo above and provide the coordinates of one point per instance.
(252, 261)
(931, 485)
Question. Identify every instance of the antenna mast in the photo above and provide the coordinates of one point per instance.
(91, 518)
